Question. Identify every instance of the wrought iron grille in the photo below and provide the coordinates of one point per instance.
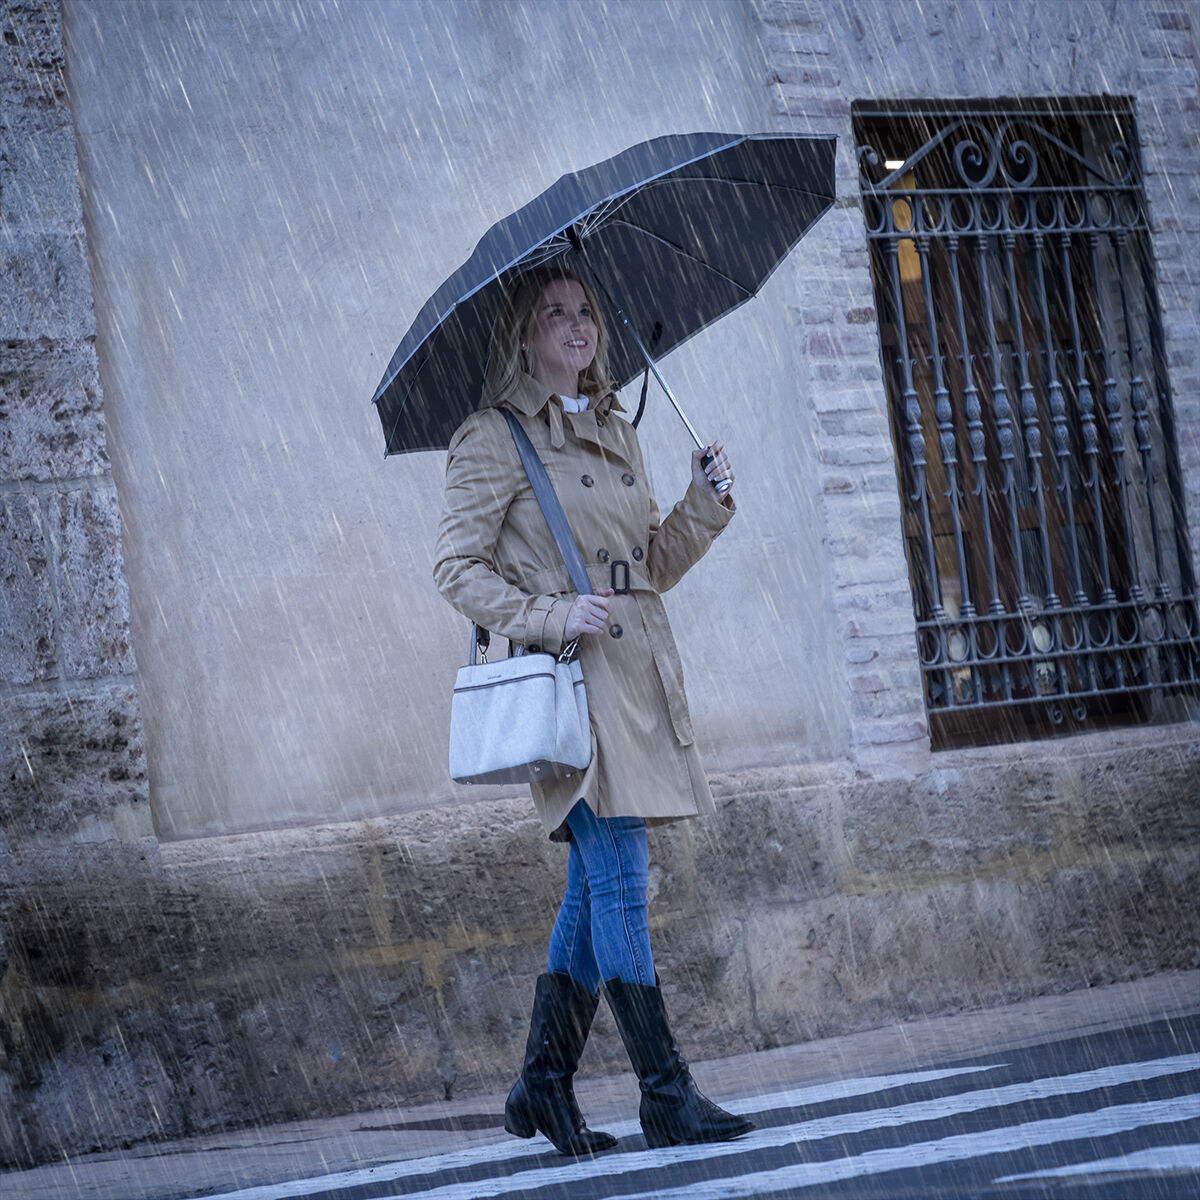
(1031, 413)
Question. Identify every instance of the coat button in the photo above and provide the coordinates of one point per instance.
(628, 480)
(638, 554)
(615, 631)
(586, 480)
(603, 555)
(600, 420)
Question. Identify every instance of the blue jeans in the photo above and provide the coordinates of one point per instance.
(603, 928)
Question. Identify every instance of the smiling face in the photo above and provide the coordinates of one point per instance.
(562, 340)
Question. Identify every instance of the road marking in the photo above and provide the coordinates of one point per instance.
(862, 1121)
(1157, 1158)
(1104, 1122)
(458, 1160)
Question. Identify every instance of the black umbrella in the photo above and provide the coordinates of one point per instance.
(676, 232)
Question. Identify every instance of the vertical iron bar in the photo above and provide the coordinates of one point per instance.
(1004, 430)
(1029, 420)
(1058, 419)
(974, 429)
(978, 442)
(1087, 422)
(945, 420)
(916, 438)
(1185, 656)
(1062, 447)
(1090, 476)
(946, 445)
(1116, 424)
(1166, 424)
(1141, 421)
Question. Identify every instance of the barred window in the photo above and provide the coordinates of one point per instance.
(1031, 413)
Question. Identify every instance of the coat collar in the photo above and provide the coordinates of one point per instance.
(531, 397)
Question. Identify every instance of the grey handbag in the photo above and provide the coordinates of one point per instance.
(524, 718)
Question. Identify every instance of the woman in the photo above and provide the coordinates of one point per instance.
(497, 563)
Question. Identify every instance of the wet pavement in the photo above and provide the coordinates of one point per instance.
(1093, 1094)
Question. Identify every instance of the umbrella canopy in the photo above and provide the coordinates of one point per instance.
(680, 230)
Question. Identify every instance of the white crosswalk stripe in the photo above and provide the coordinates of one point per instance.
(1103, 1123)
(845, 1124)
(1100, 1123)
(1156, 1158)
(841, 1089)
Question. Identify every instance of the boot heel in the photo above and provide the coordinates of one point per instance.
(658, 1139)
(519, 1124)
(518, 1116)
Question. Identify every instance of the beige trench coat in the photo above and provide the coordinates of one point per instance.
(497, 563)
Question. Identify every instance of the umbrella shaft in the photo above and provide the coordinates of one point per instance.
(646, 355)
(722, 485)
(663, 383)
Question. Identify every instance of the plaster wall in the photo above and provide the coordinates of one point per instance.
(272, 191)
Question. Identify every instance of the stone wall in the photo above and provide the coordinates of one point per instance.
(72, 763)
(251, 979)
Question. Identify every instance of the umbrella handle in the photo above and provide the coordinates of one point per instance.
(720, 485)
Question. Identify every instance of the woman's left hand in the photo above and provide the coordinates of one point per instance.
(719, 468)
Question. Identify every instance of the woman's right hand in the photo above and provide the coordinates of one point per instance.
(588, 614)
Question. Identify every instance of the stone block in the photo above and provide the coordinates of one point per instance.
(702, 963)
(486, 996)
(879, 568)
(51, 420)
(27, 650)
(47, 288)
(39, 172)
(798, 968)
(72, 764)
(806, 74)
(59, 1054)
(93, 596)
(31, 36)
(845, 399)
(879, 733)
(856, 452)
(955, 824)
(795, 42)
(1176, 19)
(779, 828)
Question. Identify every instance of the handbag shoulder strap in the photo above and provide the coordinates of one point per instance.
(543, 489)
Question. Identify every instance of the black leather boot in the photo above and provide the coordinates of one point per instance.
(543, 1098)
(673, 1109)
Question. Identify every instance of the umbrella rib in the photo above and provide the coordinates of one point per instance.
(754, 183)
(741, 287)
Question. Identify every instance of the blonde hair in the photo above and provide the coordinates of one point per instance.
(514, 325)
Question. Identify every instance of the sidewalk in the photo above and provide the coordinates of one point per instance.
(245, 1158)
